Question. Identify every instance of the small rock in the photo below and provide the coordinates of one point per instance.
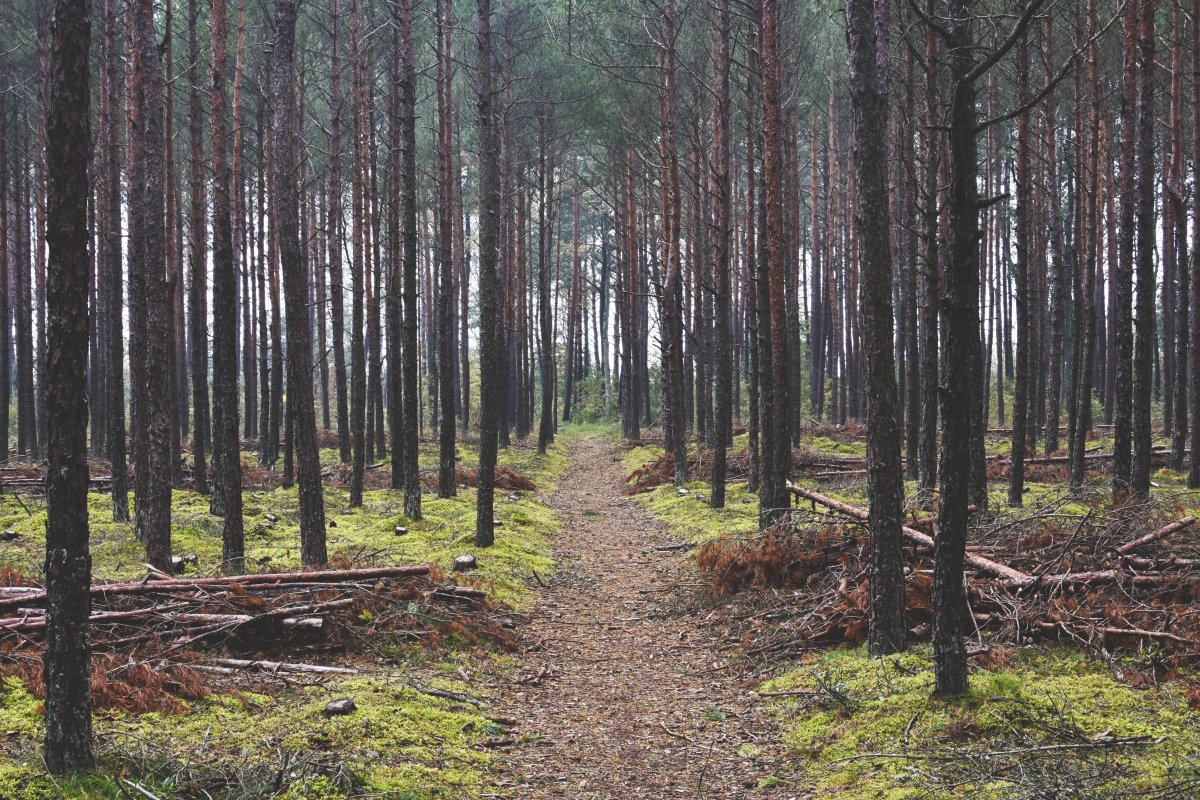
(271, 518)
(682, 491)
(701, 498)
(464, 563)
(401, 530)
(496, 523)
(338, 708)
(514, 497)
(179, 563)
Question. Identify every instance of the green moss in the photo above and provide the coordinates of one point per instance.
(272, 522)
(639, 455)
(1045, 697)
(398, 743)
(824, 444)
(692, 519)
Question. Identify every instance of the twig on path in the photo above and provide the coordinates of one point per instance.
(676, 734)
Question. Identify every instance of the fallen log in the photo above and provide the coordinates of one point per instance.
(980, 563)
(282, 666)
(1089, 578)
(1155, 535)
(1159, 450)
(256, 581)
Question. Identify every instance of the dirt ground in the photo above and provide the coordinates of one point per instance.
(623, 692)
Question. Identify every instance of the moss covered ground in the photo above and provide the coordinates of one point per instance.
(1050, 723)
(400, 743)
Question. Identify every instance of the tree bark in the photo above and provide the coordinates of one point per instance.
(227, 445)
(303, 415)
(67, 658)
(489, 196)
(153, 457)
(885, 487)
(1144, 322)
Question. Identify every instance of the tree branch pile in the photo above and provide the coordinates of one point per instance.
(197, 622)
(1110, 580)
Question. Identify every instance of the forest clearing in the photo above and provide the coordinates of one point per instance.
(622, 399)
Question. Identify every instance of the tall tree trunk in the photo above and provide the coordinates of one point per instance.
(1176, 200)
(885, 487)
(489, 196)
(153, 458)
(1194, 459)
(774, 498)
(227, 445)
(1122, 475)
(303, 418)
(1144, 323)
(66, 662)
(722, 158)
(446, 296)
(1057, 267)
(110, 251)
(198, 228)
(1026, 357)
(336, 234)
(671, 302)
(408, 213)
(930, 342)
(359, 255)
(545, 320)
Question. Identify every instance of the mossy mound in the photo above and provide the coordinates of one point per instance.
(1051, 723)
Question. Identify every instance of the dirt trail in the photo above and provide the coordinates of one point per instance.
(622, 692)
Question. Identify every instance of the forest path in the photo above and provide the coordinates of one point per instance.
(622, 692)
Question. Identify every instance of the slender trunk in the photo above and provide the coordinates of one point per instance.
(774, 498)
(723, 152)
(153, 458)
(302, 415)
(1144, 323)
(489, 195)
(197, 226)
(336, 234)
(408, 213)
(885, 483)
(226, 444)
(446, 296)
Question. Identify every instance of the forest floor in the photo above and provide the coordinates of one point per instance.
(623, 691)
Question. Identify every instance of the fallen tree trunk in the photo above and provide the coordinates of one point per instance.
(282, 666)
(978, 562)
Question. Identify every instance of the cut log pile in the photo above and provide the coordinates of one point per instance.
(254, 611)
(1109, 581)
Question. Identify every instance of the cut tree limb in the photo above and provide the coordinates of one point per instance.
(1155, 535)
(984, 565)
